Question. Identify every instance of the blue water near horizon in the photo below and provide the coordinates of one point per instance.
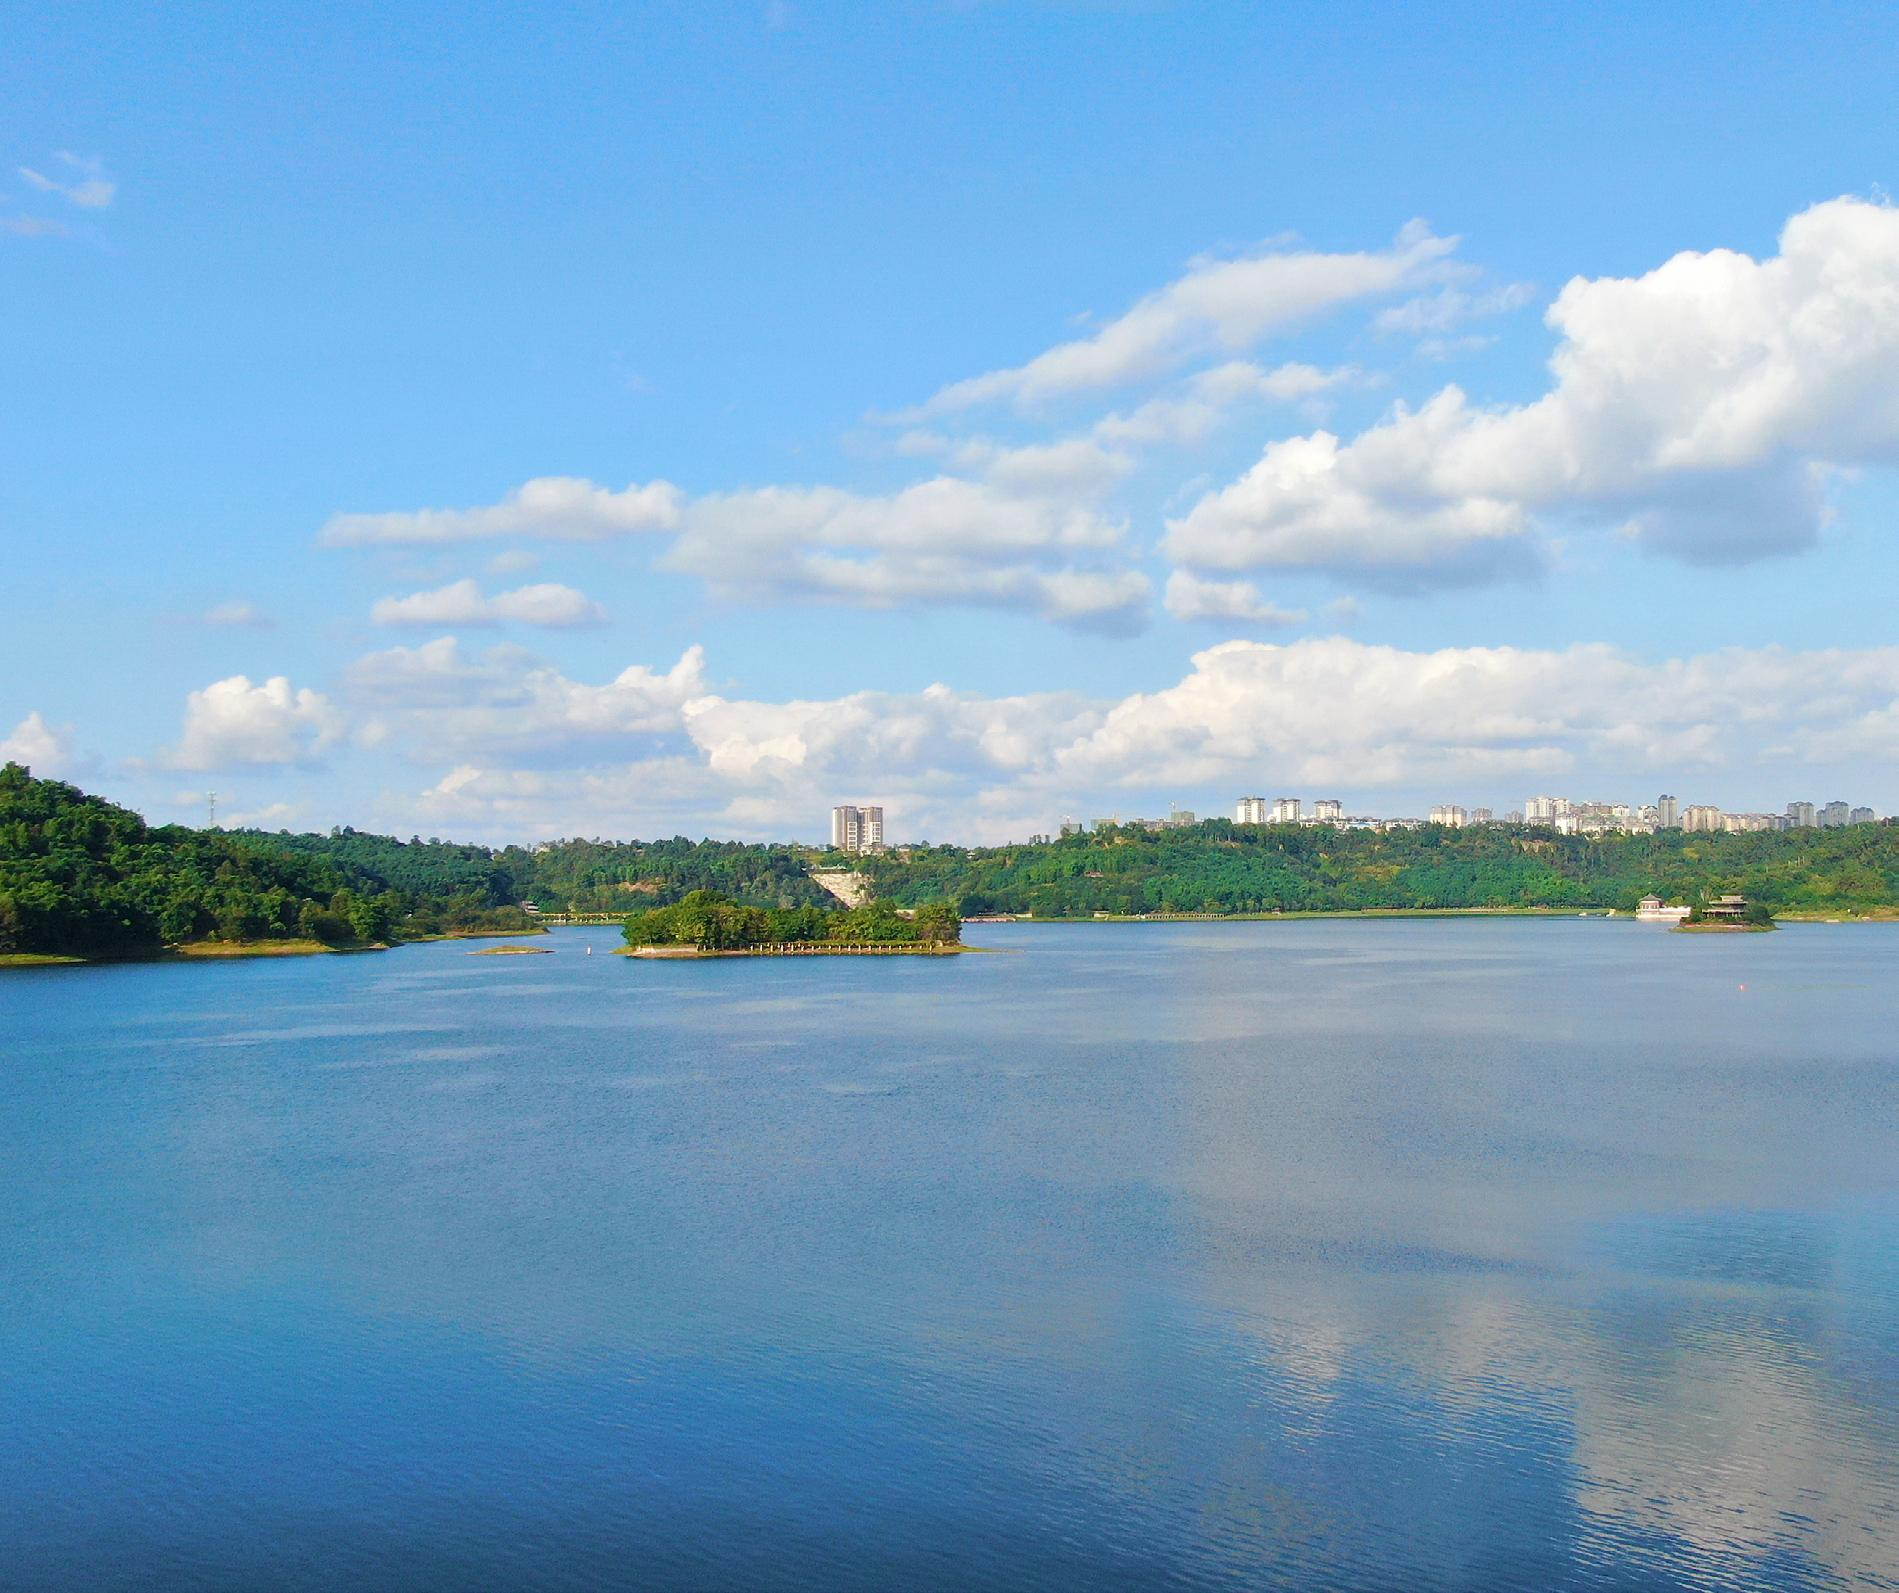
(1318, 1254)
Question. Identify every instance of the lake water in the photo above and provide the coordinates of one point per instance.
(1335, 1255)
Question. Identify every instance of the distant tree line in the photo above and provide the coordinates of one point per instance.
(78, 874)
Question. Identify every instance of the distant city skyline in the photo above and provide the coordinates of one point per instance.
(1564, 814)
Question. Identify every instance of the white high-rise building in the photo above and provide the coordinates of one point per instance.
(1249, 810)
(1801, 816)
(1285, 810)
(1448, 813)
(855, 829)
(1328, 810)
(1836, 815)
(1699, 817)
(1863, 816)
(1667, 813)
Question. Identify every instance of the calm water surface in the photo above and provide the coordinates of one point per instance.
(1330, 1255)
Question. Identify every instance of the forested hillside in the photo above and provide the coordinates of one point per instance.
(82, 877)
(575, 875)
(626, 876)
(1217, 867)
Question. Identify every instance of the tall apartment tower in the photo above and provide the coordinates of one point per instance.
(855, 829)
(1285, 810)
(1667, 813)
(1800, 816)
(1328, 810)
(1249, 810)
(1836, 815)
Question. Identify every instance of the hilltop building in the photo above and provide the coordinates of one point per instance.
(855, 829)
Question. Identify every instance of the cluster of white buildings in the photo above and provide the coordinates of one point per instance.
(857, 829)
(1669, 813)
(1327, 810)
(1565, 817)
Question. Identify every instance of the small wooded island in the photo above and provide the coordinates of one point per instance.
(707, 924)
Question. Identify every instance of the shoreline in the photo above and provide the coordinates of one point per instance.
(238, 951)
(1317, 912)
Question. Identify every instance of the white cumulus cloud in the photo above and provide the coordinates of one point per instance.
(946, 540)
(531, 751)
(1190, 598)
(233, 722)
(438, 701)
(45, 749)
(1700, 408)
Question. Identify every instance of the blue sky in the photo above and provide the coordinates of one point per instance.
(1001, 410)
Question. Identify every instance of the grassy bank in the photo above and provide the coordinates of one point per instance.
(264, 948)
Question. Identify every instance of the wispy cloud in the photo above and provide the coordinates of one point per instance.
(32, 226)
(240, 613)
(464, 603)
(562, 508)
(79, 180)
(1217, 307)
